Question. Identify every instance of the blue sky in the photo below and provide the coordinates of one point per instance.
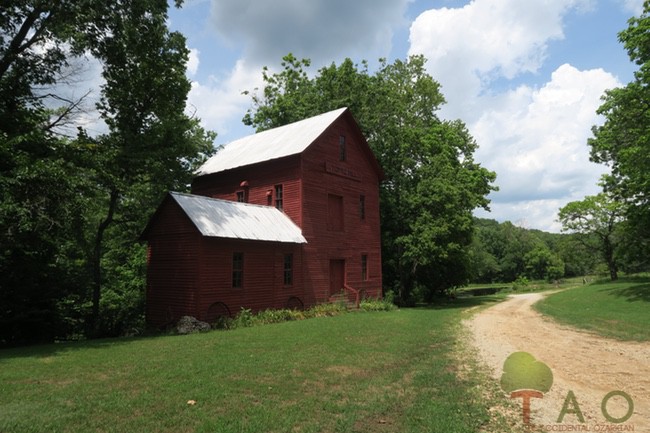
(525, 76)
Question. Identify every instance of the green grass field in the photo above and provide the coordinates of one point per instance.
(618, 309)
(358, 372)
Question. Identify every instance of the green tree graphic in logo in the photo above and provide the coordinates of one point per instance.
(524, 376)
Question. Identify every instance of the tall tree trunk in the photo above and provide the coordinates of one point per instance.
(97, 262)
(609, 258)
(407, 280)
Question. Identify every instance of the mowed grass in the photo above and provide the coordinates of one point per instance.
(393, 371)
(618, 309)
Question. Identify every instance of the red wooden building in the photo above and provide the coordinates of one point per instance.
(288, 217)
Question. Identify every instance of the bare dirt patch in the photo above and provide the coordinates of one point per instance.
(589, 365)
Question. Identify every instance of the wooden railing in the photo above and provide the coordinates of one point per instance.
(349, 295)
(354, 292)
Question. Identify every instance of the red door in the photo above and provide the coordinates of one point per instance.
(337, 276)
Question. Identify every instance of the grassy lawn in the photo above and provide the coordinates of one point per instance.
(618, 309)
(359, 372)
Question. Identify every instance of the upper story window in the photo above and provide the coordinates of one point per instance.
(279, 197)
(342, 149)
(241, 196)
(362, 207)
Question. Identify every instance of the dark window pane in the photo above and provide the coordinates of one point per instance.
(237, 270)
(288, 269)
(279, 197)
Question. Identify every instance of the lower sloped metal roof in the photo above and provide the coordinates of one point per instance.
(233, 220)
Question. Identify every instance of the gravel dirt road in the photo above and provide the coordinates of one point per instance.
(589, 365)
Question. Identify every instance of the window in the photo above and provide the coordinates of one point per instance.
(342, 150)
(237, 270)
(362, 207)
(241, 197)
(334, 212)
(364, 267)
(288, 269)
(278, 197)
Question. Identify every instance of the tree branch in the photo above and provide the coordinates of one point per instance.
(16, 47)
(72, 106)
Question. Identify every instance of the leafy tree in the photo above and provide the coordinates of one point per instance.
(578, 259)
(623, 141)
(39, 181)
(594, 220)
(152, 144)
(484, 265)
(503, 252)
(71, 209)
(517, 243)
(542, 263)
(432, 181)
(487, 249)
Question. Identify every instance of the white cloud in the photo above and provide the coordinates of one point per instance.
(538, 214)
(322, 30)
(633, 6)
(193, 62)
(468, 47)
(536, 141)
(220, 103)
(79, 84)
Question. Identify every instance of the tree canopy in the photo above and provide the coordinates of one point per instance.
(432, 182)
(71, 207)
(503, 252)
(623, 141)
(596, 220)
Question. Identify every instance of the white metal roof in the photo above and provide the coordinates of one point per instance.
(233, 220)
(274, 143)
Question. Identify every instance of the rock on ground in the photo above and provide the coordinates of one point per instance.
(189, 325)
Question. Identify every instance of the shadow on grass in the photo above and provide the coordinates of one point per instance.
(48, 350)
(632, 293)
(52, 349)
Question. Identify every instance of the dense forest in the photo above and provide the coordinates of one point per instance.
(504, 252)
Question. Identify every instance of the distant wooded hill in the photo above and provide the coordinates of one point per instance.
(502, 252)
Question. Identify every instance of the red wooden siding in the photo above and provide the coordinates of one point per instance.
(335, 213)
(325, 176)
(261, 180)
(172, 266)
(188, 273)
(263, 279)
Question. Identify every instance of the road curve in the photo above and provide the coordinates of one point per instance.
(589, 365)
